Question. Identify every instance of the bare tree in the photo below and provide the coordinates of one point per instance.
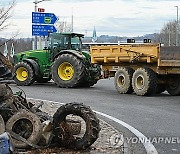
(64, 27)
(167, 34)
(5, 14)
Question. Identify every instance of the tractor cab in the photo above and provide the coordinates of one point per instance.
(65, 41)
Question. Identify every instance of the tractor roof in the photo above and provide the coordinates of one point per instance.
(68, 33)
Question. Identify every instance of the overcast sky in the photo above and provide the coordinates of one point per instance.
(110, 17)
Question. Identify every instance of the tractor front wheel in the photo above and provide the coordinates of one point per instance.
(67, 71)
(24, 74)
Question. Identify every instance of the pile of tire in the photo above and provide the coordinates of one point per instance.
(31, 127)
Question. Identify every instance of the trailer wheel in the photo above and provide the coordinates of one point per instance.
(27, 125)
(144, 81)
(123, 80)
(62, 134)
(24, 74)
(173, 86)
(67, 71)
(2, 125)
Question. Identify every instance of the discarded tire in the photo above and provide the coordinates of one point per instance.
(67, 71)
(24, 74)
(26, 125)
(2, 125)
(123, 80)
(144, 82)
(63, 136)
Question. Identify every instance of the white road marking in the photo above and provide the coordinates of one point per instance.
(150, 149)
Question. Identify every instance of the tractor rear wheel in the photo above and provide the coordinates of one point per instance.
(123, 79)
(24, 74)
(144, 82)
(68, 71)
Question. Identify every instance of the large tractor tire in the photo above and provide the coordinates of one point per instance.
(26, 125)
(24, 74)
(144, 82)
(2, 125)
(173, 86)
(67, 71)
(64, 137)
(123, 80)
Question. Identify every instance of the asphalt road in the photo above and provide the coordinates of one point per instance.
(157, 117)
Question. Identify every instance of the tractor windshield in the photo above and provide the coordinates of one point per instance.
(66, 42)
(76, 43)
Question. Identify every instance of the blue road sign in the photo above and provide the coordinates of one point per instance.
(43, 30)
(43, 18)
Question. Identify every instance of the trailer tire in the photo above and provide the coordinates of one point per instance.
(64, 138)
(68, 71)
(2, 125)
(123, 80)
(20, 123)
(24, 74)
(173, 86)
(144, 82)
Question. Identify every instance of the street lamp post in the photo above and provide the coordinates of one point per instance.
(177, 26)
(36, 10)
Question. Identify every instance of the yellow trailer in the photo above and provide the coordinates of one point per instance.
(145, 69)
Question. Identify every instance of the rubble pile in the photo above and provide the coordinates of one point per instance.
(30, 127)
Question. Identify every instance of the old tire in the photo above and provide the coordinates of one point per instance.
(2, 125)
(123, 80)
(44, 116)
(27, 125)
(67, 71)
(144, 82)
(24, 74)
(173, 86)
(92, 126)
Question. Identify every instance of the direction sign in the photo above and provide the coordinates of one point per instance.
(43, 18)
(43, 30)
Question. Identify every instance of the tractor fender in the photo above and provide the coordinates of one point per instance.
(34, 64)
(73, 52)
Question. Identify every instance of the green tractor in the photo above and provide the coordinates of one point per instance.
(63, 61)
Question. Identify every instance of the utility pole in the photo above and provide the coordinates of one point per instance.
(72, 21)
(36, 10)
(177, 27)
